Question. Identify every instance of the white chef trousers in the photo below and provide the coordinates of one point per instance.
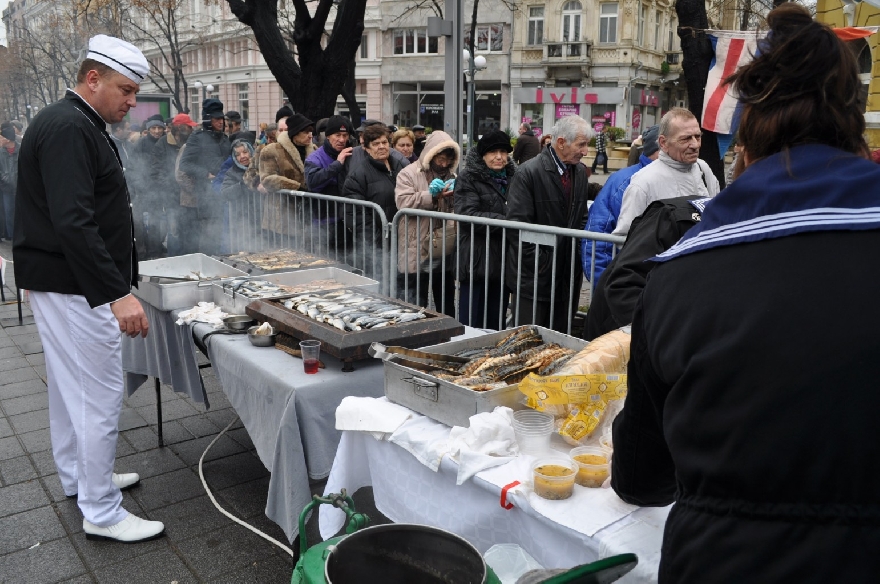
(83, 353)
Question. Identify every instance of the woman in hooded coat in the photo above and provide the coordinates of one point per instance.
(481, 191)
(420, 267)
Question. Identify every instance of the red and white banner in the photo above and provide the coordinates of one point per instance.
(733, 49)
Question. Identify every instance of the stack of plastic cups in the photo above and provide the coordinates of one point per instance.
(532, 430)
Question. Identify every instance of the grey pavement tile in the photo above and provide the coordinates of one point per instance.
(30, 421)
(190, 518)
(5, 339)
(223, 417)
(22, 530)
(161, 565)
(200, 426)
(224, 551)
(9, 352)
(32, 349)
(17, 375)
(10, 448)
(17, 470)
(218, 400)
(84, 579)
(233, 470)
(36, 359)
(241, 436)
(41, 371)
(151, 463)
(46, 563)
(274, 569)
(53, 485)
(192, 450)
(123, 448)
(44, 463)
(5, 428)
(167, 489)
(28, 386)
(172, 433)
(23, 339)
(245, 500)
(12, 363)
(129, 418)
(16, 331)
(100, 554)
(37, 441)
(22, 497)
(25, 403)
(171, 410)
(148, 413)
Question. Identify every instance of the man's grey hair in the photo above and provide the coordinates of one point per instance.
(570, 127)
(676, 112)
(526, 127)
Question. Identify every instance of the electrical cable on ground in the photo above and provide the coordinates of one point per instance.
(265, 536)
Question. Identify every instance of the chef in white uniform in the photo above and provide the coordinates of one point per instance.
(74, 250)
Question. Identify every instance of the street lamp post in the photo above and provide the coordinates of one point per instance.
(475, 63)
(206, 89)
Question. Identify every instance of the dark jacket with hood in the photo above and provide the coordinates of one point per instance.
(74, 233)
(535, 197)
(752, 400)
(205, 152)
(371, 181)
(479, 195)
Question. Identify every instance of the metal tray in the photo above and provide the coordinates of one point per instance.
(304, 261)
(452, 404)
(233, 303)
(350, 346)
(171, 294)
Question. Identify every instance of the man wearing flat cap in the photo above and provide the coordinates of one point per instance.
(200, 162)
(74, 251)
(419, 144)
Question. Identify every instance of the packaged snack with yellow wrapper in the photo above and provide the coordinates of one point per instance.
(586, 384)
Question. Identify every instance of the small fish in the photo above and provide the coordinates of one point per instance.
(409, 317)
(288, 304)
(338, 323)
(313, 312)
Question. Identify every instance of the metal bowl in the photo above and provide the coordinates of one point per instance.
(261, 340)
(238, 322)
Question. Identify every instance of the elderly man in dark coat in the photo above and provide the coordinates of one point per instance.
(550, 189)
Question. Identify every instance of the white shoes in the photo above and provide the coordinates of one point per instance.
(132, 529)
(122, 482)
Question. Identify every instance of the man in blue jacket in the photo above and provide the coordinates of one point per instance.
(606, 207)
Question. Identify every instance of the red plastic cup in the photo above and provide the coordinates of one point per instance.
(311, 353)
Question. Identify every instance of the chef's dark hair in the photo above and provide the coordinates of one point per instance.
(801, 88)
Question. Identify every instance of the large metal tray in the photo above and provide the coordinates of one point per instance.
(351, 346)
(302, 261)
(171, 294)
(234, 303)
(452, 404)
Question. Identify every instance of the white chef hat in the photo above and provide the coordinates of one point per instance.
(122, 57)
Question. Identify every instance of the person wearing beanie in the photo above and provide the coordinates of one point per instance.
(606, 207)
(200, 163)
(165, 154)
(75, 255)
(8, 178)
(326, 169)
(283, 113)
(282, 167)
(146, 200)
(481, 191)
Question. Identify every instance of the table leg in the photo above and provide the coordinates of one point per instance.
(159, 410)
(347, 365)
(18, 297)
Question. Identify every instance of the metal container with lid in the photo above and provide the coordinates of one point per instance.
(181, 281)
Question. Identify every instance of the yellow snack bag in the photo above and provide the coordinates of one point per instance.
(582, 420)
(559, 390)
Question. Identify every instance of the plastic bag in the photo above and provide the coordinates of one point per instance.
(509, 561)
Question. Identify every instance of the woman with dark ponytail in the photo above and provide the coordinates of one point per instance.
(753, 374)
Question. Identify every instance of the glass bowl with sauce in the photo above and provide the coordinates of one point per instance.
(554, 478)
(592, 464)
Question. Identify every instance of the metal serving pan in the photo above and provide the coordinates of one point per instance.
(452, 404)
(230, 301)
(161, 282)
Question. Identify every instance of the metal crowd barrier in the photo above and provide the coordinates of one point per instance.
(316, 224)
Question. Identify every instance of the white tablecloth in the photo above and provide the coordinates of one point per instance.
(406, 491)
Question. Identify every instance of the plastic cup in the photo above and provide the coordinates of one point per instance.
(593, 464)
(532, 430)
(311, 354)
(554, 478)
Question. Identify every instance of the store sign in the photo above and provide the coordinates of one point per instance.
(563, 110)
(574, 95)
(431, 108)
(637, 118)
(645, 97)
